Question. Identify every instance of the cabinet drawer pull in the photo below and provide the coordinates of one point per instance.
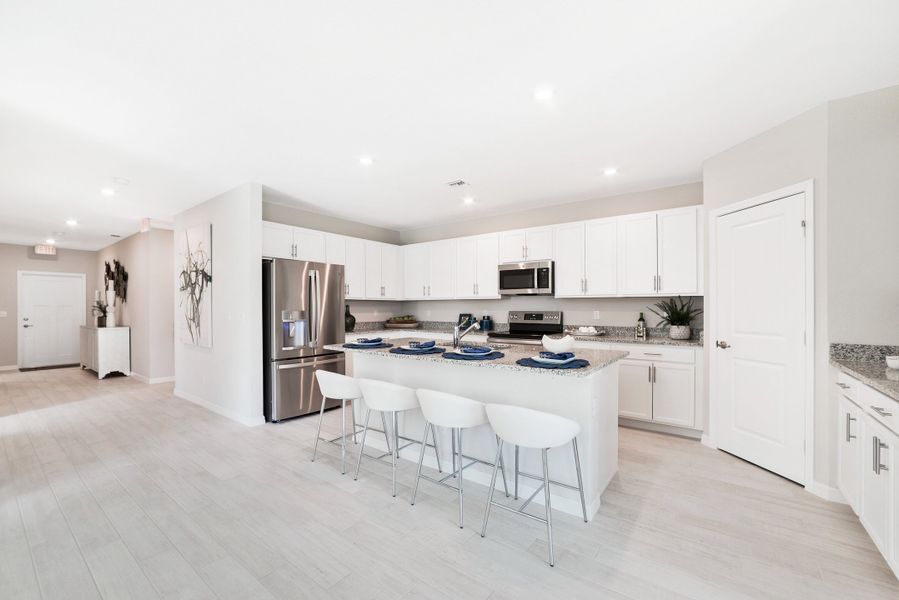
(843, 385)
(652, 354)
(849, 420)
(881, 411)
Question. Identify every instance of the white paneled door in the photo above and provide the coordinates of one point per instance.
(51, 311)
(760, 316)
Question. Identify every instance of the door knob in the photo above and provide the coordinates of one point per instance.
(722, 344)
(27, 325)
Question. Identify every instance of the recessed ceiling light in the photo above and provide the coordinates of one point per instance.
(609, 171)
(468, 199)
(366, 161)
(50, 241)
(107, 191)
(71, 222)
(544, 93)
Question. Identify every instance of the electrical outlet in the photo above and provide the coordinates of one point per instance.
(596, 315)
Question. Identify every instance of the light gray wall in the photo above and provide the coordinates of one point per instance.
(792, 152)
(14, 258)
(688, 194)
(863, 211)
(227, 378)
(162, 311)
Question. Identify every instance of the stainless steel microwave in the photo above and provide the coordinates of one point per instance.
(527, 278)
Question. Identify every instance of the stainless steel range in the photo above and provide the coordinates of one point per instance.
(529, 327)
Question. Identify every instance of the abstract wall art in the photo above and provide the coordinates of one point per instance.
(195, 285)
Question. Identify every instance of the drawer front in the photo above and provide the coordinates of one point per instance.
(882, 409)
(848, 386)
(657, 353)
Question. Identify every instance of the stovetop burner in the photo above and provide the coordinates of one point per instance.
(529, 327)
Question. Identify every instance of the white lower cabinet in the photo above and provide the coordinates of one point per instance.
(867, 449)
(635, 389)
(673, 394)
(106, 350)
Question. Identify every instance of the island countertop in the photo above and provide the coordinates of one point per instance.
(598, 359)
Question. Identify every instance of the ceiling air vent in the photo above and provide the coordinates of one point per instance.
(457, 183)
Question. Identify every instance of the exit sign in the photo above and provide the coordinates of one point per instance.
(45, 250)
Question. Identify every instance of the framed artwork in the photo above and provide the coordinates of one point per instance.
(195, 285)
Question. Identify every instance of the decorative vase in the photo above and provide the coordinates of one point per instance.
(349, 321)
(679, 332)
(101, 321)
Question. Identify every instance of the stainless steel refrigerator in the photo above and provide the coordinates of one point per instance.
(302, 312)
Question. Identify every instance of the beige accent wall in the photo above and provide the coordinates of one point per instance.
(14, 258)
(148, 310)
(688, 194)
(863, 213)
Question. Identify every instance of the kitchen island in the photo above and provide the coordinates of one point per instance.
(588, 396)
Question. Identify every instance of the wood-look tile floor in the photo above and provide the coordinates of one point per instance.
(116, 489)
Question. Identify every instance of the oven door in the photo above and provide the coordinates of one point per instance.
(524, 279)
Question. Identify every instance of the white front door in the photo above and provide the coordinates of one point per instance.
(760, 317)
(51, 310)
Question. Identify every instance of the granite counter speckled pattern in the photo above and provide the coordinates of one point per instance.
(874, 374)
(599, 359)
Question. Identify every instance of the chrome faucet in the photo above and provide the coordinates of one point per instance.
(457, 336)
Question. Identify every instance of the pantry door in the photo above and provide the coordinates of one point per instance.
(51, 309)
(759, 364)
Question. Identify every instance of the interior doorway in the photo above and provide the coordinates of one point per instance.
(51, 309)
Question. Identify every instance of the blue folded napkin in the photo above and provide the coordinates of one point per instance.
(368, 341)
(557, 355)
(476, 349)
(470, 356)
(418, 351)
(574, 364)
(352, 346)
(422, 345)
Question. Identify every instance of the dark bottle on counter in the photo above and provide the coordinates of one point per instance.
(640, 330)
(349, 321)
(486, 323)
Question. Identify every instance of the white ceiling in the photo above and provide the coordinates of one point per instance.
(189, 99)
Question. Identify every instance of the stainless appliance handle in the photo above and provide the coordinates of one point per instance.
(314, 363)
(314, 307)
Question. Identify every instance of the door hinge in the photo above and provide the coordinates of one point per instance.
(802, 223)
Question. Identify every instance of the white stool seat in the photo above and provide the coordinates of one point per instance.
(531, 428)
(337, 386)
(384, 396)
(449, 410)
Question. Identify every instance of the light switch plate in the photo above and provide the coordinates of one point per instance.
(3, 314)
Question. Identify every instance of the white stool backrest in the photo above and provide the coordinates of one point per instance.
(337, 386)
(530, 428)
(385, 396)
(449, 410)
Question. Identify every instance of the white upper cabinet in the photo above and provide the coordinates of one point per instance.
(526, 244)
(277, 240)
(678, 247)
(335, 249)
(415, 271)
(637, 255)
(476, 273)
(487, 284)
(601, 257)
(285, 241)
(354, 271)
(381, 271)
(569, 260)
(442, 267)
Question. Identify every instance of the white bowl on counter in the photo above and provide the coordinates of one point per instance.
(893, 362)
(563, 344)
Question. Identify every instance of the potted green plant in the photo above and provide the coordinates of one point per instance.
(677, 315)
(99, 311)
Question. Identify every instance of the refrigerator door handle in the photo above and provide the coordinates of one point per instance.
(315, 363)
(315, 298)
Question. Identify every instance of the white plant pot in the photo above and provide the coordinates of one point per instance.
(679, 332)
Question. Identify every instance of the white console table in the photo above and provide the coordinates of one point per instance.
(106, 350)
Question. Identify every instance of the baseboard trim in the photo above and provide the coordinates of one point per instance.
(826, 492)
(249, 422)
(692, 434)
(151, 380)
(708, 442)
(9, 368)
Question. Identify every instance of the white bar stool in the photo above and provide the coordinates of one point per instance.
(457, 413)
(385, 397)
(335, 386)
(534, 429)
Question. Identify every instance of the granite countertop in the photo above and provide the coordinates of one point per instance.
(599, 359)
(604, 339)
(875, 374)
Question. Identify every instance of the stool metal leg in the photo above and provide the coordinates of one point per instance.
(453, 439)
(549, 511)
(436, 451)
(580, 482)
(421, 458)
(516, 471)
(321, 417)
(396, 451)
(353, 413)
(502, 470)
(499, 452)
(362, 445)
(461, 478)
(386, 431)
(343, 436)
